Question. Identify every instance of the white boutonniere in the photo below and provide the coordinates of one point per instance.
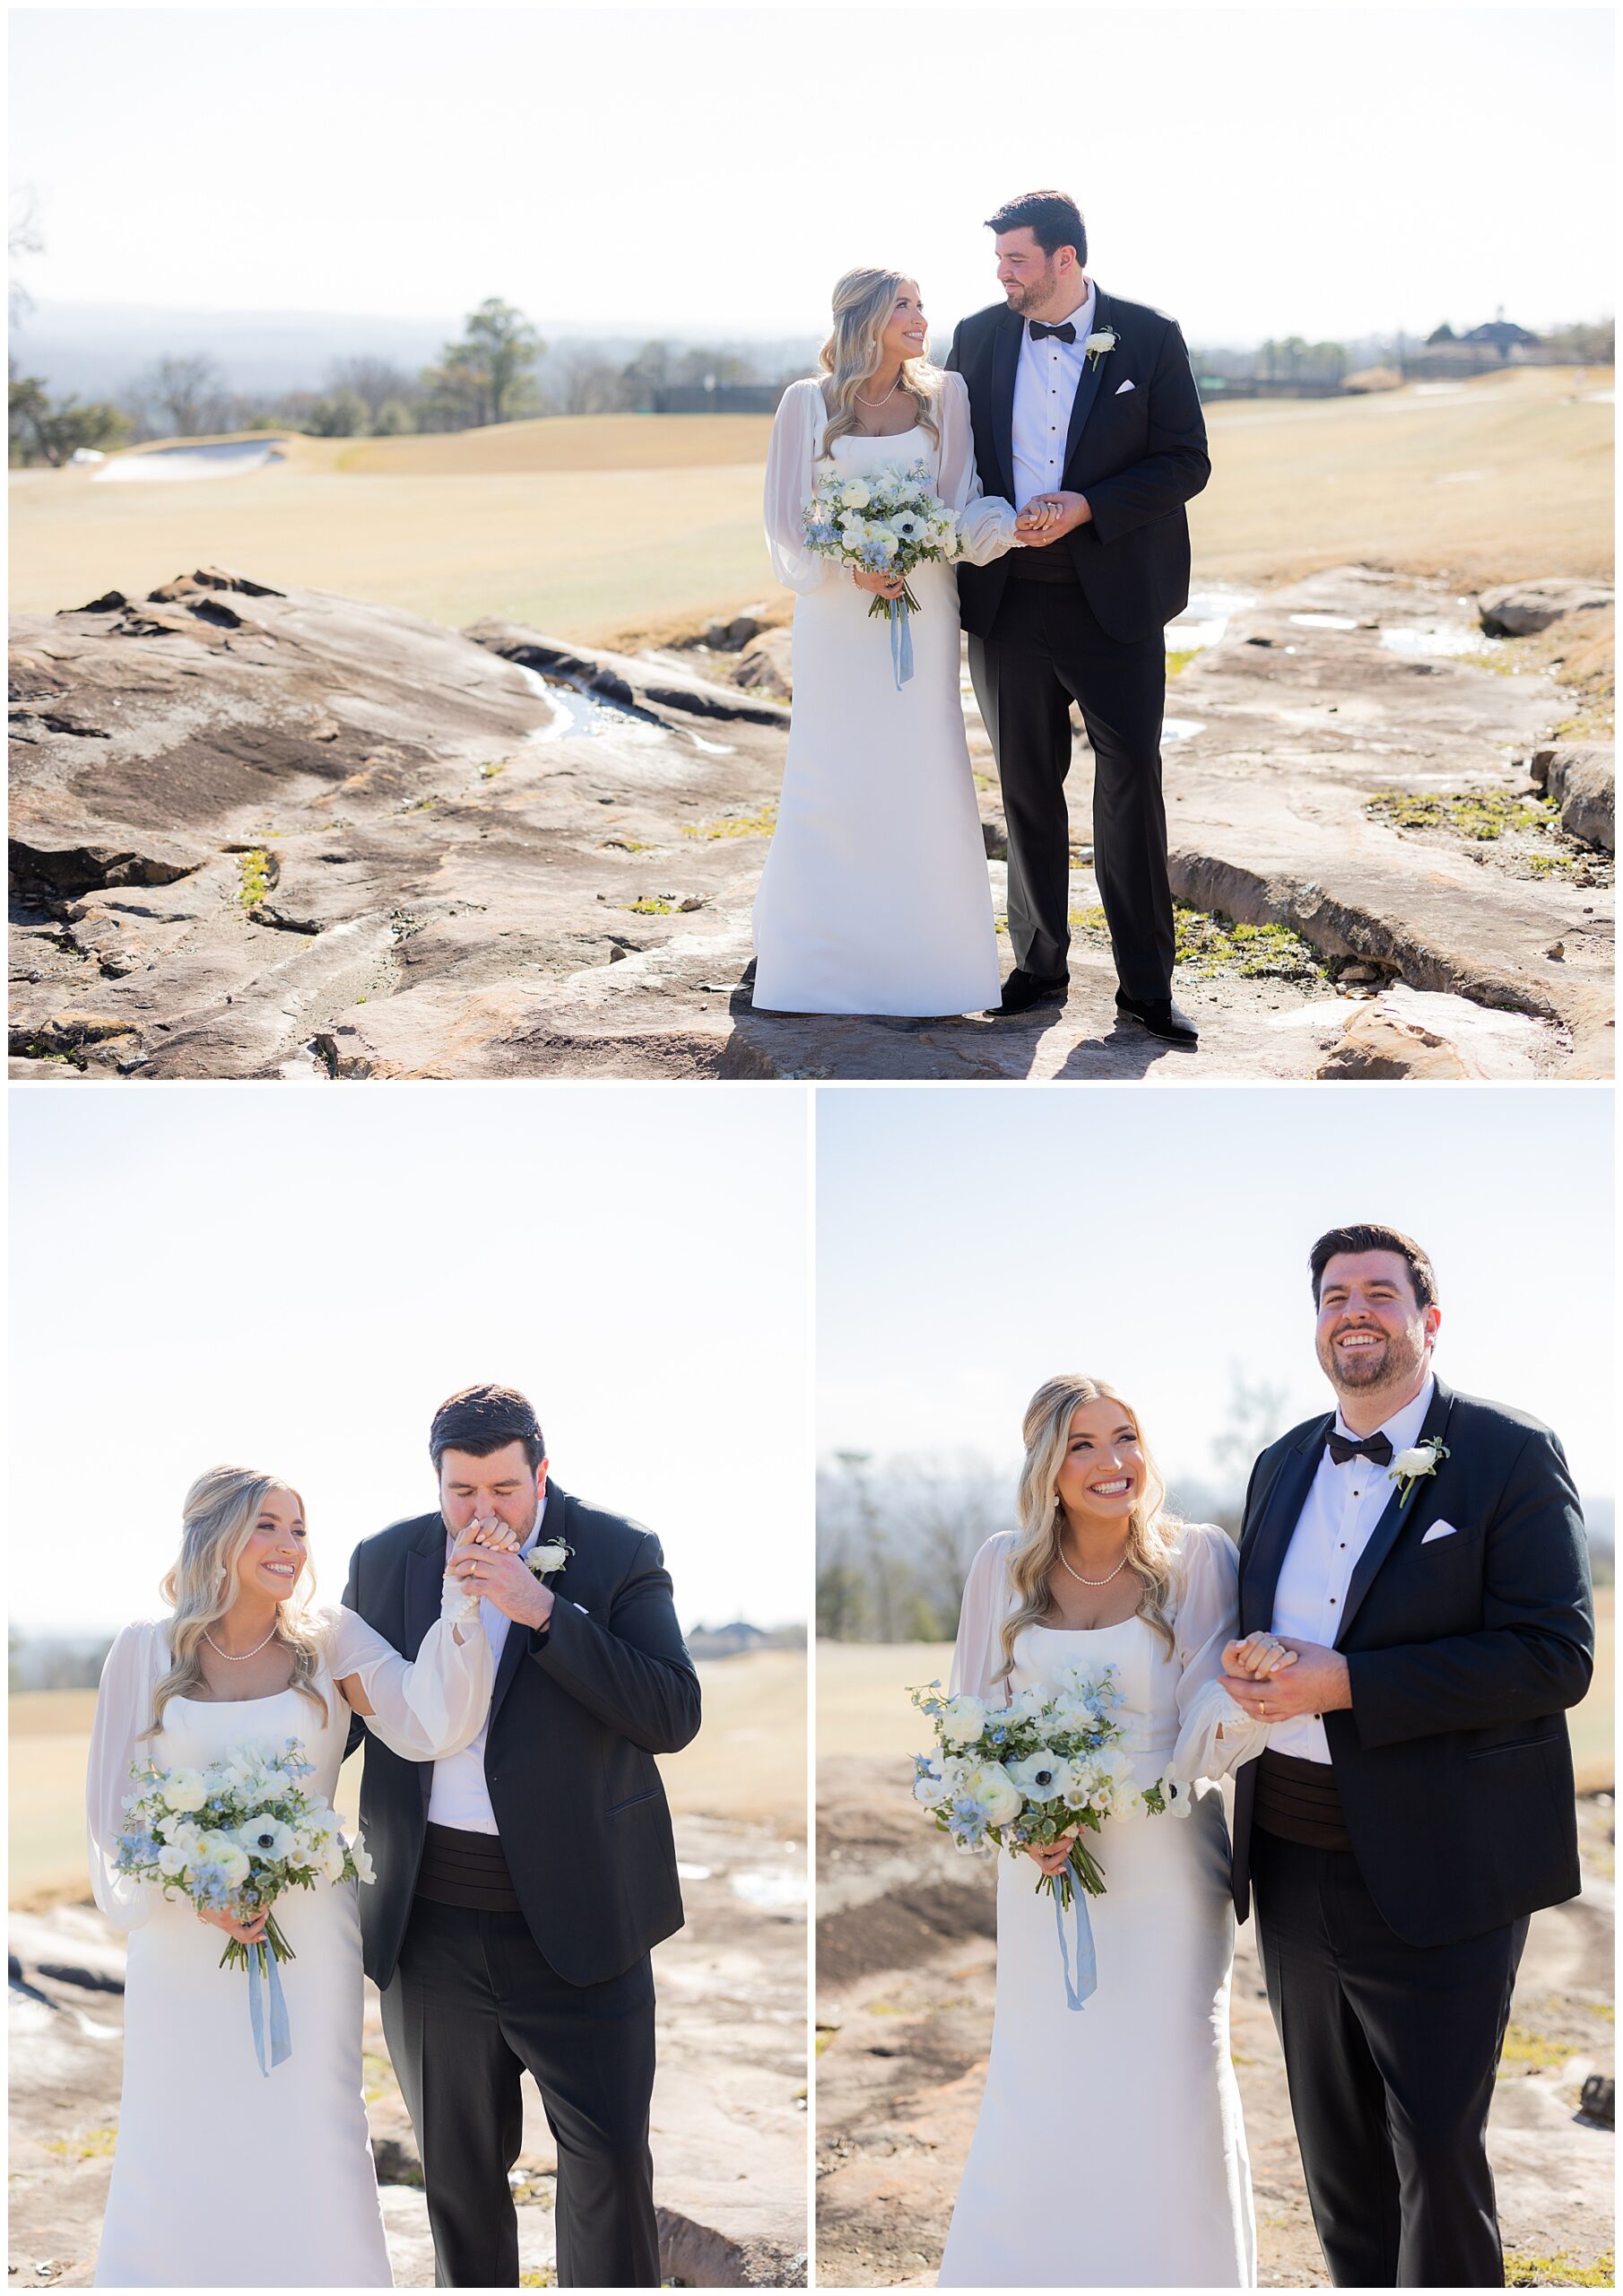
(544, 1560)
(1412, 1466)
(1097, 345)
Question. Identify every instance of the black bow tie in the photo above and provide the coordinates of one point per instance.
(1377, 1447)
(1063, 332)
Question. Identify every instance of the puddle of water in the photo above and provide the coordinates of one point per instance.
(577, 713)
(1325, 620)
(1181, 729)
(232, 458)
(1206, 617)
(773, 1888)
(1437, 638)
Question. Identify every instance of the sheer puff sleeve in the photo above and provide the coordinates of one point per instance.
(433, 1705)
(796, 429)
(978, 1655)
(1214, 1736)
(985, 522)
(135, 1664)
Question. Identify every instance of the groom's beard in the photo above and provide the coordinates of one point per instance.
(522, 1528)
(1031, 296)
(1394, 1366)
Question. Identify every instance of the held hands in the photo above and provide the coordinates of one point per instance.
(1314, 1680)
(246, 1933)
(487, 1562)
(1051, 1856)
(1046, 516)
(881, 585)
(1259, 1654)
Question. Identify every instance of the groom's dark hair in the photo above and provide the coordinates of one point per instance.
(1052, 218)
(1368, 1236)
(482, 1420)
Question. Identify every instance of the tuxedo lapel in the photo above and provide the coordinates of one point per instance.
(1277, 1519)
(1088, 389)
(1005, 360)
(1397, 1512)
(518, 1637)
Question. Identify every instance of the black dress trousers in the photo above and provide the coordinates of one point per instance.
(1390, 2053)
(472, 2004)
(1046, 649)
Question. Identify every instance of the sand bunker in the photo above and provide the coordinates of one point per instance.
(229, 459)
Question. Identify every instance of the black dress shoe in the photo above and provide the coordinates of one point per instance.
(1023, 990)
(1159, 1015)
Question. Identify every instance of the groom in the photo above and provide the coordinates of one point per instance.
(1076, 394)
(522, 1883)
(1424, 1556)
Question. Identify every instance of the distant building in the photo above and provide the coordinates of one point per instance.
(1501, 334)
(715, 398)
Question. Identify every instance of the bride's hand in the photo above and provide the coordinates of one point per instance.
(1039, 513)
(882, 586)
(493, 1533)
(246, 1933)
(1259, 1655)
(1052, 1857)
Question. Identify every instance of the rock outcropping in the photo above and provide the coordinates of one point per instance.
(263, 834)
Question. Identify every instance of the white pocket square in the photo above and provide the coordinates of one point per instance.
(1127, 386)
(583, 1610)
(1439, 1531)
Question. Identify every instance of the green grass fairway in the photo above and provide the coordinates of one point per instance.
(748, 1763)
(608, 527)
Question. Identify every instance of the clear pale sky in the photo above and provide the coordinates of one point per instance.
(973, 1241)
(296, 1278)
(1318, 170)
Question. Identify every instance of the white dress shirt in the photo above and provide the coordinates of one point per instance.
(459, 1796)
(1045, 391)
(1342, 1506)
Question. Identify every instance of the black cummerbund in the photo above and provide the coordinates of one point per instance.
(1299, 1800)
(467, 1869)
(1052, 563)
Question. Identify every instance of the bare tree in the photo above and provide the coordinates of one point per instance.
(190, 392)
(376, 381)
(24, 236)
(582, 382)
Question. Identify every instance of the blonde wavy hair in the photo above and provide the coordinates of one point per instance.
(863, 301)
(1151, 1531)
(217, 1521)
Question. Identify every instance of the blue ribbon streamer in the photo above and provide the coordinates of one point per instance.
(901, 641)
(1087, 1967)
(281, 2039)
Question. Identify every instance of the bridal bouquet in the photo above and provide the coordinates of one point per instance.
(1048, 1765)
(232, 1838)
(886, 521)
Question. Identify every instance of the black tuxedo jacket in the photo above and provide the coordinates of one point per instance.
(1452, 1762)
(580, 1710)
(1138, 456)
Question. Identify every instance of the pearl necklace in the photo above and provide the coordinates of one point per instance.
(1080, 1581)
(236, 1657)
(890, 394)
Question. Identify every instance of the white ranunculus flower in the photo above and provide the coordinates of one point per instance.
(184, 1789)
(962, 1720)
(331, 1860)
(1104, 339)
(172, 1861)
(931, 1788)
(235, 1864)
(1129, 1802)
(885, 541)
(1421, 1459)
(991, 1785)
(854, 494)
(551, 1557)
(321, 1822)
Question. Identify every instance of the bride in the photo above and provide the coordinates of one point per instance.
(223, 2177)
(1110, 2150)
(876, 897)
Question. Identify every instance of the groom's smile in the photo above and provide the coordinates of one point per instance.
(1374, 1335)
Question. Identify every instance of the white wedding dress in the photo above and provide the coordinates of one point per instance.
(223, 2177)
(1110, 2152)
(875, 896)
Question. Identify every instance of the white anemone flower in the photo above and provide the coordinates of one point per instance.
(1042, 1776)
(264, 1838)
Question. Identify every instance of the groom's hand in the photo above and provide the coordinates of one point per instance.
(505, 1580)
(1318, 1683)
(1064, 512)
